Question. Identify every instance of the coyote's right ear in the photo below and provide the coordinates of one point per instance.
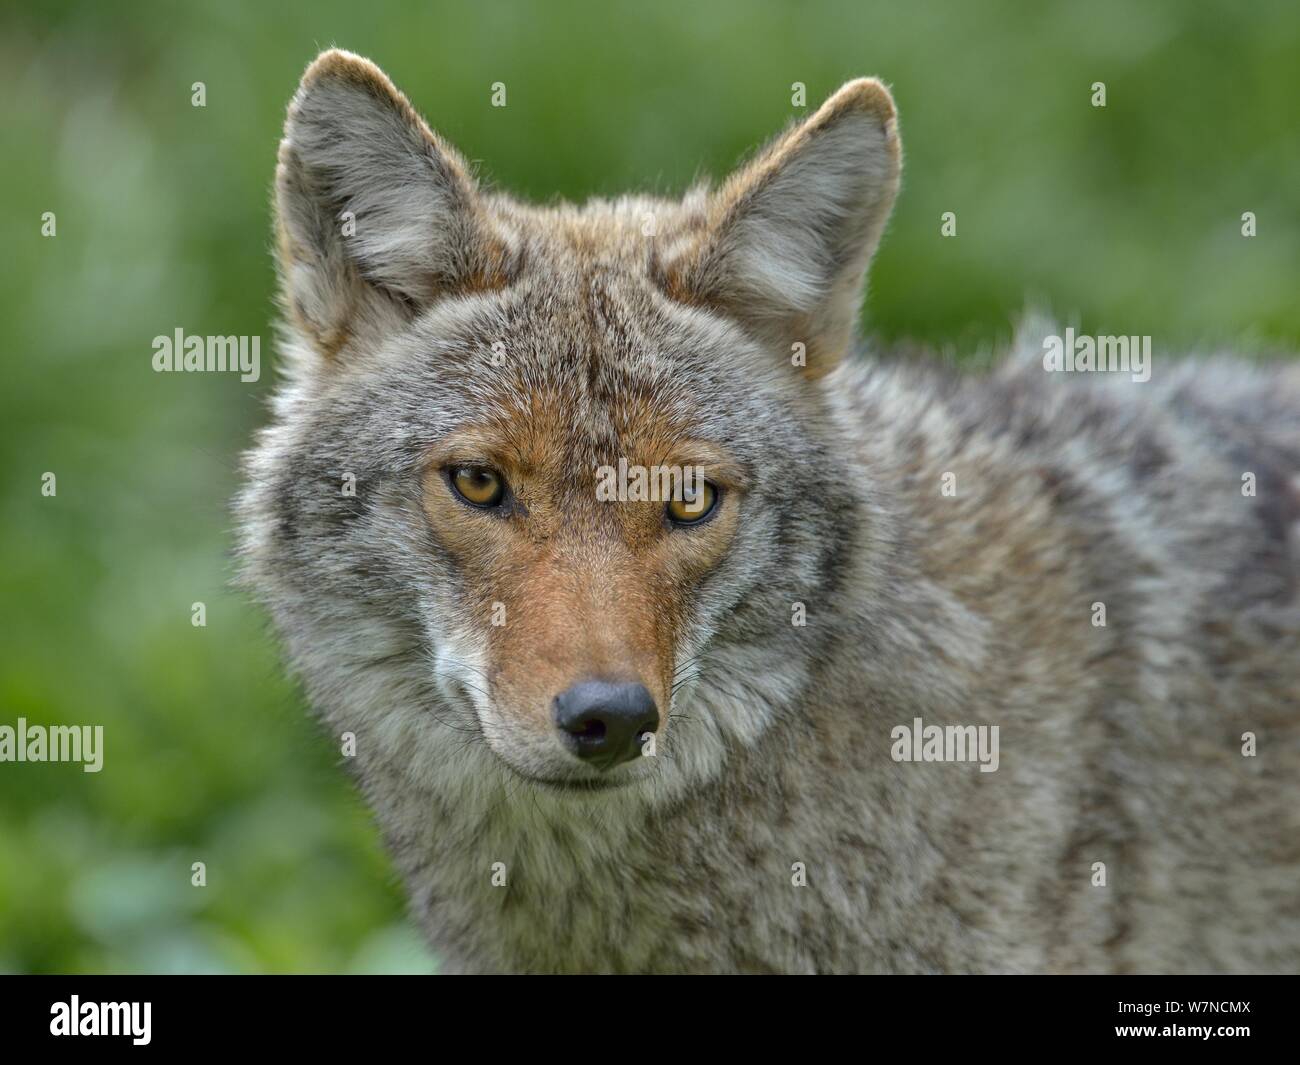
(377, 216)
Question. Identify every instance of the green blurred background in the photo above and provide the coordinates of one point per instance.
(1125, 219)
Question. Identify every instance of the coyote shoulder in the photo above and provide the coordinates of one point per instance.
(615, 731)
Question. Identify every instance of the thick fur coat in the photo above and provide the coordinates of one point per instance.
(893, 541)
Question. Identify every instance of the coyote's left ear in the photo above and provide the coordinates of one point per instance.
(784, 244)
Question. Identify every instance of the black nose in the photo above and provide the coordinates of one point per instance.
(605, 720)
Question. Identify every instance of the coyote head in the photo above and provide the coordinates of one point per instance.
(561, 479)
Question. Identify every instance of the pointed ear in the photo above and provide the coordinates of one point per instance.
(784, 244)
(376, 215)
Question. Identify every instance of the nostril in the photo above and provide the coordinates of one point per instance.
(590, 731)
(605, 721)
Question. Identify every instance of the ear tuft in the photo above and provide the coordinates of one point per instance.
(867, 95)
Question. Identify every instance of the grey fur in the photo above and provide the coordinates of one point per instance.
(1120, 744)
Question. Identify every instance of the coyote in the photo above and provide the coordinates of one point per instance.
(631, 735)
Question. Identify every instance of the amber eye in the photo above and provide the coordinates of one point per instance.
(477, 485)
(693, 505)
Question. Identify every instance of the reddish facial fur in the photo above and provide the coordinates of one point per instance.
(590, 588)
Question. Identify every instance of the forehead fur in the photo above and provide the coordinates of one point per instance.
(606, 234)
(594, 353)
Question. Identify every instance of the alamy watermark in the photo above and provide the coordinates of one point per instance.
(213, 354)
(76, 1018)
(629, 483)
(1098, 354)
(53, 743)
(920, 742)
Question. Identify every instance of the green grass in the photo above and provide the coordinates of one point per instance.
(1126, 219)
